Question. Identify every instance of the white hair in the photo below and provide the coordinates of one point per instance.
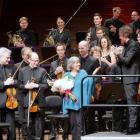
(4, 50)
(71, 61)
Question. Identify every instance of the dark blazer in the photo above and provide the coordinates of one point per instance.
(25, 75)
(55, 64)
(114, 37)
(129, 61)
(4, 74)
(89, 64)
(28, 36)
(92, 31)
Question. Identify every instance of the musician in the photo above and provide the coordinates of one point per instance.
(25, 53)
(135, 24)
(61, 34)
(60, 65)
(26, 84)
(89, 64)
(97, 53)
(57, 69)
(128, 61)
(97, 19)
(99, 34)
(28, 36)
(113, 24)
(6, 82)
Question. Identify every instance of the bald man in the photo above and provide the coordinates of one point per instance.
(135, 24)
(26, 74)
(88, 63)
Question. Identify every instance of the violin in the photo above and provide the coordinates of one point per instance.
(33, 92)
(11, 102)
(60, 74)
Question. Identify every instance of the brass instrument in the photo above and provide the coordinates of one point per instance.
(49, 41)
(15, 39)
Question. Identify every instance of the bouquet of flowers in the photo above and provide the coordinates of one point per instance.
(64, 86)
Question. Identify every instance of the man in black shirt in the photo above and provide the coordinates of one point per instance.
(57, 69)
(60, 65)
(129, 63)
(33, 78)
(25, 53)
(7, 81)
(89, 64)
(135, 24)
(113, 24)
(28, 36)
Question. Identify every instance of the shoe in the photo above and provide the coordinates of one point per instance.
(131, 131)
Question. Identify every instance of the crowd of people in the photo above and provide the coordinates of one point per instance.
(108, 49)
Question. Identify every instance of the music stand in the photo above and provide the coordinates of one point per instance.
(111, 91)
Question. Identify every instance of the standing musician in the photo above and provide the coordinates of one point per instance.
(33, 81)
(6, 84)
(28, 36)
(25, 53)
(61, 34)
(60, 65)
(57, 69)
(113, 24)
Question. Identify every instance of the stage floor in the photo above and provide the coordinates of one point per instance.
(110, 136)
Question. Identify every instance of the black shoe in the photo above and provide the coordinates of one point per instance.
(131, 131)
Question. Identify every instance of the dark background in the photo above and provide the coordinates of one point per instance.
(42, 14)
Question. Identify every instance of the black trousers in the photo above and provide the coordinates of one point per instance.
(8, 115)
(131, 91)
(76, 124)
(22, 120)
(36, 124)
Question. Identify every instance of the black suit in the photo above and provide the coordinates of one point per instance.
(37, 119)
(53, 67)
(29, 37)
(114, 37)
(56, 64)
(130, 65)
(89, 64)
(20, 97)
(7, 115)
(92, 31)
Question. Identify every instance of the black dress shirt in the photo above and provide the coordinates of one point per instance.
(39, 74)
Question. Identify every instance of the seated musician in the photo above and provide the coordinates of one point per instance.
(32, 81)
(6, 84)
